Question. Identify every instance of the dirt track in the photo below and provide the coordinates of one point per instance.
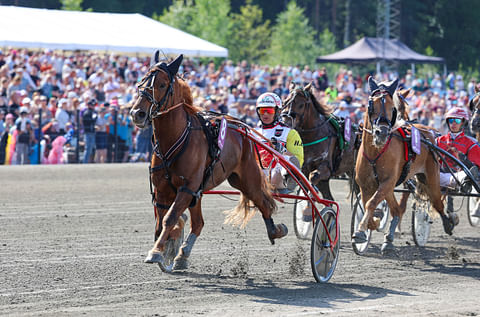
(73, 240)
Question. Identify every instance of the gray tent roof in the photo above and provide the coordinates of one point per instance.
(370, 49)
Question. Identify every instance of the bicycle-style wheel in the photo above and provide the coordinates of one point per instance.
(473, 204)
(421, 222)
(302, 228)
(322, 258)
(357, 215)
(385, 211)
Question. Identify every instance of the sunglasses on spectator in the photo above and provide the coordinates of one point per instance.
(266, 110)
(456, 120)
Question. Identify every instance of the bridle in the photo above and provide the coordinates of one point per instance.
(293, 115)
(474, 106)
(157, 108)
(382, 116)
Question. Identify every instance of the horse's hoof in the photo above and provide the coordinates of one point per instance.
(448, 225)
(359, 237)
(281, 231)
(454, 218)
(180, 263)
(154, 257)
(387, 248)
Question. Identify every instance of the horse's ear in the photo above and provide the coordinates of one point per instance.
(292, 85)
(308, 87)
(173, 66)
(405, 92)
(155, 58)
(392, 87)
(372, 83)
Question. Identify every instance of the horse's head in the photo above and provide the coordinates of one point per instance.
(155, 90)
(296, 105)
(381, 111)
(474, 106)
(301, 108)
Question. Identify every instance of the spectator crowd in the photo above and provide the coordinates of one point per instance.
(55, 104)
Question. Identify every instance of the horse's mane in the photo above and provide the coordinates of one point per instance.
(323, 109)
(187, 96)
(181, 93)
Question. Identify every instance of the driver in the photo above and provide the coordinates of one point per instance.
(463, 147)
(285, 140)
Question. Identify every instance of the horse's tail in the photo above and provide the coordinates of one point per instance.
(245, 209)
(421, 193)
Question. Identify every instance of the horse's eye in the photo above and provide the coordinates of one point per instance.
(162, 86)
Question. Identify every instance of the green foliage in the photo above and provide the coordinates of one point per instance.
(293, 39)
(211, 20)
(71, 5)
(178, 15)
(327, 46)
(249, 38)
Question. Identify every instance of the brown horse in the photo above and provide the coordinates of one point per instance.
(381, 163)
(324, 156)
(474, 106)
(183, 167)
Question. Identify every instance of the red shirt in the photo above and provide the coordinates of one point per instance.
(462, 143)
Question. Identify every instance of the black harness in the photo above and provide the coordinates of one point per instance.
(169, 157)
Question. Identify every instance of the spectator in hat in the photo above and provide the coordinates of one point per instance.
(101, 125)
(24, 137)
(62, 115)
(89, 119)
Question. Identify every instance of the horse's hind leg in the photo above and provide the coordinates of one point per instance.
(181, 260)
(254, 187)
(432, 188)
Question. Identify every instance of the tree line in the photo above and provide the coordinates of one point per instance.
(295, 31)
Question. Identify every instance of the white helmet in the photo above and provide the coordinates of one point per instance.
(269, 100)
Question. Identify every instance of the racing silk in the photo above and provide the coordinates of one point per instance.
(464, 144)
(288, 137)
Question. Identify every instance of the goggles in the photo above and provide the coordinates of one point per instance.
(456, 120)
(266, 110)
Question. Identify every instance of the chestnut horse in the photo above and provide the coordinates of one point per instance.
(324, 156)
(381, 161)
(474, 106)
(183, 167)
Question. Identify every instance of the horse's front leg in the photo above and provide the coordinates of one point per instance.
(181, 260)
(367, 221)
(170, 219)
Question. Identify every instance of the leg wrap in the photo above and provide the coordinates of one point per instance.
(393, 226)
(270, 226)
(188, 244)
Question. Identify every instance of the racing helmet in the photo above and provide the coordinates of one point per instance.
(457, 112)
(269, 100)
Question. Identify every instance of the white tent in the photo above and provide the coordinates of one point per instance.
(71, 30)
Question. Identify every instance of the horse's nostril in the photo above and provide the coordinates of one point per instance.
(377, 132)
(141, 114)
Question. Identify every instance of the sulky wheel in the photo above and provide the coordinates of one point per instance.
(385, 213)
(421, 222)
(357, 215)
(301, 227)
(323, 259)
(473, 203)
(171, 250)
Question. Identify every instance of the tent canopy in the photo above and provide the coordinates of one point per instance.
(72, 30)
(370, 49)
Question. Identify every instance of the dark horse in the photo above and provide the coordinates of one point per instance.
(474, 106)
(326, 154)
(381, 164)
(183, 167)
